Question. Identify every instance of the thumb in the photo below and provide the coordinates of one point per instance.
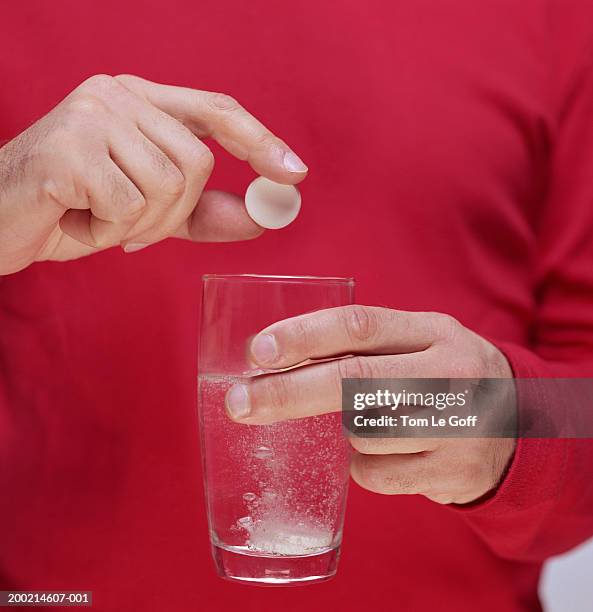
(219, 217)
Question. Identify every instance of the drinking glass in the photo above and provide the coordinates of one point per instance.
(275, 493)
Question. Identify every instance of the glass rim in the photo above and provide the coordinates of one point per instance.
(262, 278)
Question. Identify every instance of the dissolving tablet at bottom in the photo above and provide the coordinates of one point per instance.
(272, 205)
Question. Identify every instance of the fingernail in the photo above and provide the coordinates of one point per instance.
(293, 163)
(237, 402)
(264, 348)
(134, 246)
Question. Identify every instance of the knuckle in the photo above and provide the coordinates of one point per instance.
(125, 78)
(224, 102)
(279, 393)
(171, 180)
(84, 107)
(446, 326)
(265, 139)
(128, 199)
(192, 155)
(208, 158)
(51, 189)
(300, 333)
(383, 480)
(204, 158)
(173, 185)
(134, 205)
(360, 322)
(99, 83)
(355, 367)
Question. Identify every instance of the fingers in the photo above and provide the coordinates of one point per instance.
(219, 217)
(314, 389)
(222, 118)
(116, 204)
(194, 162)
(135, 172)
(456, 471)
(133, 165)
(170, 166)
(393, 474)
(395, 446)
(345, 330)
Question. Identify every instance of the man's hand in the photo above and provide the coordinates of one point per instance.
(120, 161)
(385, 344)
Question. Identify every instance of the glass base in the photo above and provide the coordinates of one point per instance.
(240, 564)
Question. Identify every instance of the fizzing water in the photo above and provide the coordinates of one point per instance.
(275, 492)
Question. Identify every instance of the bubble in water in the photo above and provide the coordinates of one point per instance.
(246, 522)
(249, 497)
(263, 452)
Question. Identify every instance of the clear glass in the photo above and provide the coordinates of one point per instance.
(276, 493)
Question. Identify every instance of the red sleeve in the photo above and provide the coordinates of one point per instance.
(544, 506)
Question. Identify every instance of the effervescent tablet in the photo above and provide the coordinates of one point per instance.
(272, 205)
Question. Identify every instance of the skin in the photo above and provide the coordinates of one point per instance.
(121, 161)
(383, 343)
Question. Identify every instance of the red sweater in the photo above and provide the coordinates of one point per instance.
(451, 153)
